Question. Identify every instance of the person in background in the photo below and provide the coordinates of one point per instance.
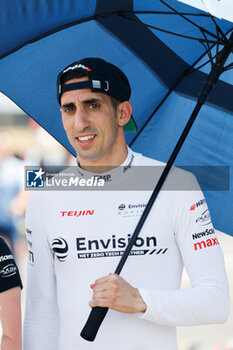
(11, 174)
(10, 300)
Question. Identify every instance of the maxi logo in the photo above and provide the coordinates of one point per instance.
(206, 244)
(114, 246)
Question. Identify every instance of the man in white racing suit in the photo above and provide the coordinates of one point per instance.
(76, 238)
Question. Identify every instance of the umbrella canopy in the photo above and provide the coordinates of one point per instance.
(166, 49)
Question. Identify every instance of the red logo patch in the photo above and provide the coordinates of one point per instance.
(205, 244)
(193, 207)
(77, 212)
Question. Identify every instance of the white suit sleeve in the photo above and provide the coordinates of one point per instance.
(41, 328)
(207, 301)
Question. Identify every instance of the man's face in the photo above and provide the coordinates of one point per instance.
(90, 122)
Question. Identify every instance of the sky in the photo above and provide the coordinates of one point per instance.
(218, 8)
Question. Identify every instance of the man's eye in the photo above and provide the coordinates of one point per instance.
(69, 109)
(94, 106)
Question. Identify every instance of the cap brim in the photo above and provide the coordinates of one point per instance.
(130, 126)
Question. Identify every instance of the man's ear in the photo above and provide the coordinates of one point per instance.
(124, 113)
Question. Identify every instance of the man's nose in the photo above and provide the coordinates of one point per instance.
(81, 120)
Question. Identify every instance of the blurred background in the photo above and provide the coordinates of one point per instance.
(24, 142)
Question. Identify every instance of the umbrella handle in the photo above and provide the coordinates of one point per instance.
(93, 323)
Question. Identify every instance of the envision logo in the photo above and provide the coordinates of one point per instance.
(131, 210)
(60, 248)
(113, 246)
(132, 206)
(114, 242)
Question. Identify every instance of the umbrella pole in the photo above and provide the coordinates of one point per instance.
(97, 314)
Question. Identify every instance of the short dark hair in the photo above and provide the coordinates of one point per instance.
(80, 74)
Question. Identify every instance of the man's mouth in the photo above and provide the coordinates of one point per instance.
(85, 140)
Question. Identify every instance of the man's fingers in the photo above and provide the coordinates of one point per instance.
(104, 293)
(105, 290)
(101, 303)
(105, 299)
(110, 277)
(114, 292)
(99, 287)
(107, 282)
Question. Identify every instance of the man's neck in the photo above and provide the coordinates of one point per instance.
(108, 163)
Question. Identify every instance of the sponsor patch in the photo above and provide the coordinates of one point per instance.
(60, 248)
(120, 253)
(208, 231)
(204, 219)
(115, 246)
(130, 210)
(77, 66)
(6, 257)
(28, 231)
(30, 256)
(77, 213)
(197, 204)
(205, 244)
(8, 270)
(128, 166)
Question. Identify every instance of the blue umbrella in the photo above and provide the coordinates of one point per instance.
(167, 50)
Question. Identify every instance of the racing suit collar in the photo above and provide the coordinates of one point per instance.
(111, 174)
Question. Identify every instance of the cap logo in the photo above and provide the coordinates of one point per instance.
(98, 85)
(77, 66)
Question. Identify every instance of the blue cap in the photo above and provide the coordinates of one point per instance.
(103, 77)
